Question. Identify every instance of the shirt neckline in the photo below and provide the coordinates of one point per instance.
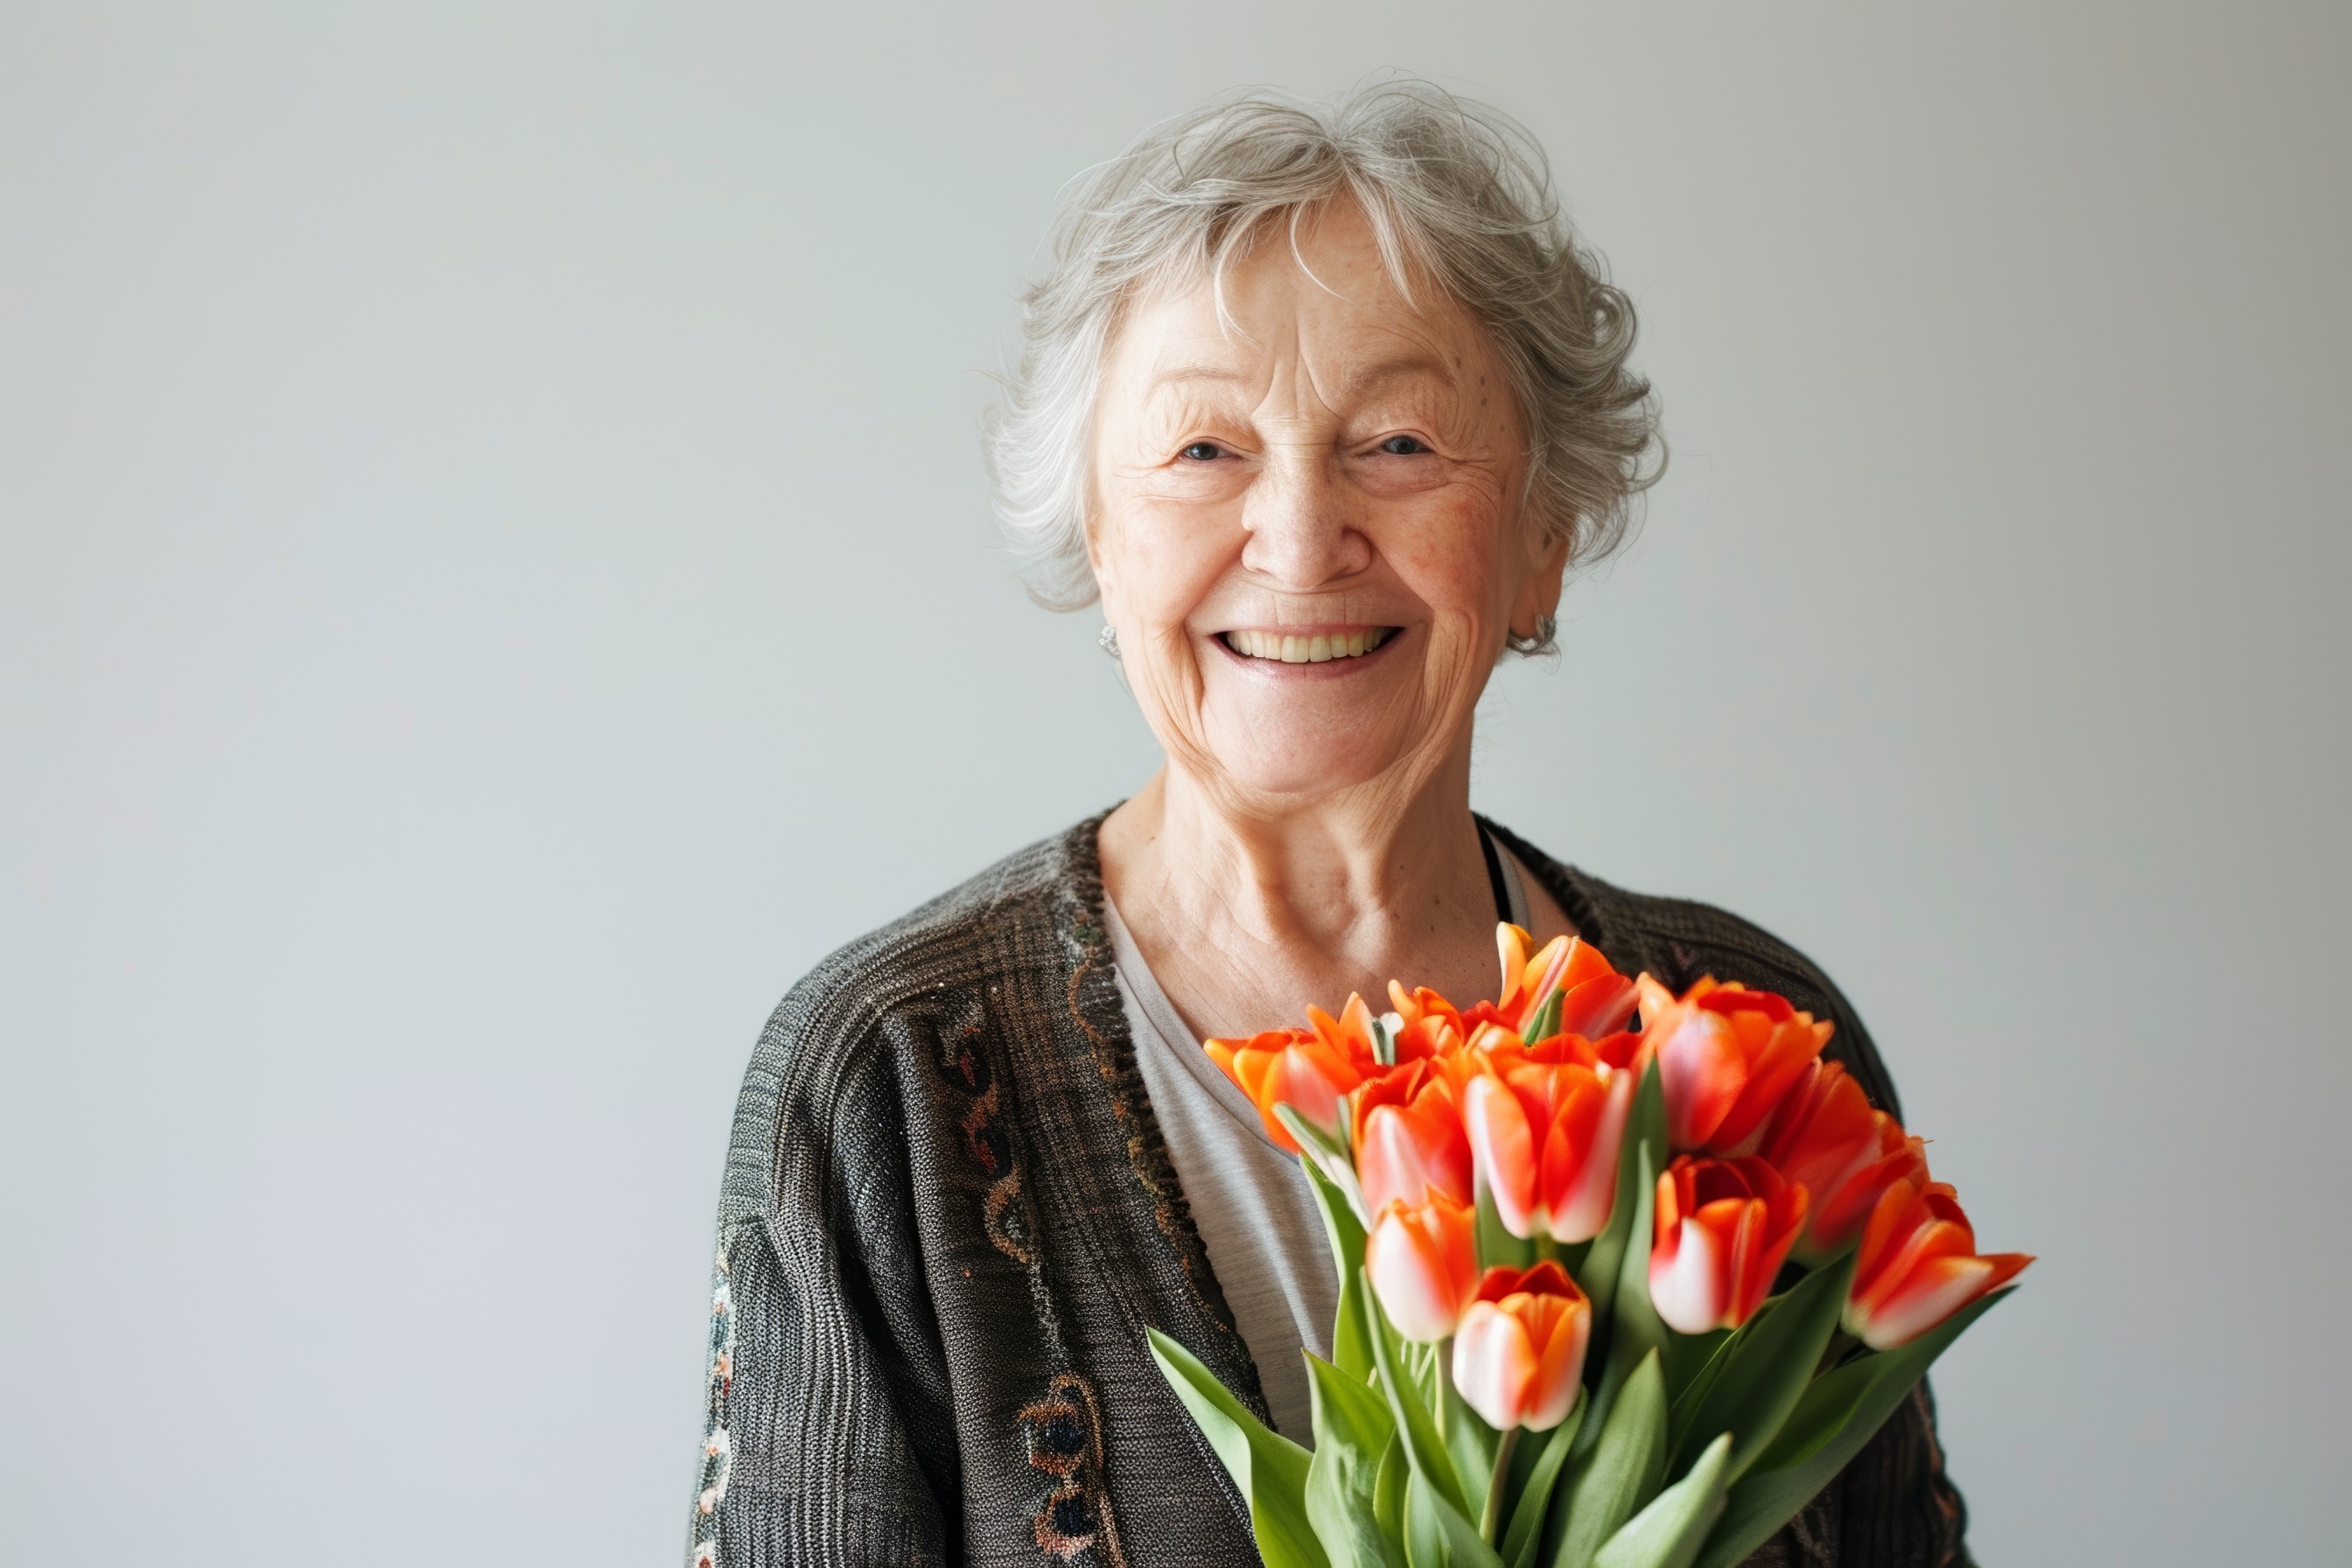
(1171, 1034)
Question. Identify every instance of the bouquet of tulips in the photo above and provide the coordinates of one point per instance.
(1613, 1297)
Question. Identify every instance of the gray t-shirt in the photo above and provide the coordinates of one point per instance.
(1255, 1212)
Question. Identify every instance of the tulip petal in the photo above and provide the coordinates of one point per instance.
(1494, 1365)
(1703, 1073)
(1388, 1164)
(1502, 1148)
(1687, 1272)
(1596, 1007)
(1580, 1156)
(1930, 1294)
(1559, 1361)
(1787, 1053)
(1424, 1265)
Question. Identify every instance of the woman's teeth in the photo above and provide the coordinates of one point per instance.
(1307, 649)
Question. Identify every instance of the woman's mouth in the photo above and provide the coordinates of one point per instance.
(1313, 647)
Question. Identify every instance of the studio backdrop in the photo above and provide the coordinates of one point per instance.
(496, 580)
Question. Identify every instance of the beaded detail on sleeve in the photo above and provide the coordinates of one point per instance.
(715, 1455)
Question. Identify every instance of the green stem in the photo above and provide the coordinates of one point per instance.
(1492, 1523)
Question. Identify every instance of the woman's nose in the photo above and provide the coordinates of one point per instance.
(1301, 525)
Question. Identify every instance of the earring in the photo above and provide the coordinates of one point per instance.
(1546, 641)
(1108, 640)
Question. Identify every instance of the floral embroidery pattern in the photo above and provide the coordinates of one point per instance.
(1064, 1434)
(1004, 1216)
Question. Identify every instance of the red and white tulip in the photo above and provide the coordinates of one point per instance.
(1544, 1134)
(1726, 1056)
(1518, 1354)
(1723, 1229)
(1424, 1264)
(1919, 1265)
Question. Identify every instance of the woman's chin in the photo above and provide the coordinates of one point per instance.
(1303, 755)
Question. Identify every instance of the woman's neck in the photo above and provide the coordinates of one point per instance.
(1247, 911)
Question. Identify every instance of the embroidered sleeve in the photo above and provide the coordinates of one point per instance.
(717, 1378)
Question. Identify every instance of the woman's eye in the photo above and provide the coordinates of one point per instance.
(1203, 452)
(1403, 446)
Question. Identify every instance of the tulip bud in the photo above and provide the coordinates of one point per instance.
(1726, 1056)
(1836, 1220)
(1288, 1066)
(1724, 1228)
(1409, 1140)
(1518, 1354)
(1567, 964)
(1424, 1264)
(1824, 1134)
(1917, 1264)
(1545, 1136)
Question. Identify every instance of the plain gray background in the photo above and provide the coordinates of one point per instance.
(495, 580)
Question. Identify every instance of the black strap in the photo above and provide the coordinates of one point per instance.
(1495, 875)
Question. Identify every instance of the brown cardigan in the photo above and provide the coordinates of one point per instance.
(948, 1218)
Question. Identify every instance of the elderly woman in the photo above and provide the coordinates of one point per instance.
(1322, 404)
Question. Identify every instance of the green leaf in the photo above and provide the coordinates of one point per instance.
(1267, 1467)
(1471, 1443)
(1834, 1418)
(1526, 1529)
(1498, 1247)
(1669, 1533)
(1436, 1534)
(1635, 1329)
(1351, 1341)
(1424, 1363)
(1604, 1260)
(1546, 1022)
(1353, 1432)
(1326, 1152)
(1692, 1360)
(1763, 1370)
(1388, 1489)
(1424, 1448)
(1617, 1480)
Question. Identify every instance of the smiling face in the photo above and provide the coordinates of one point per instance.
(1308, 527)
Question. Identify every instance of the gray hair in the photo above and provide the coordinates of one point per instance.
(1453, 191)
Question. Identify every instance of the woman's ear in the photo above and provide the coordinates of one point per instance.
(1098, 562)
(1541, 589)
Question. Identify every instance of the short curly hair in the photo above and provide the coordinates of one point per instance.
(1453, 192)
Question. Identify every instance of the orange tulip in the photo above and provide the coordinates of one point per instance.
(1724, 1228)
(1836, 1217)
(1596, 1008)
(1424, 1264)
(1409, 1140)
(1297, 1067)
(1823, 1131)
(1349, 1034)
(1825, 1135)
(1726, 1055)
(1518, 1354)
(1919, 1265)
(1544, 1133)
(1432, 1024)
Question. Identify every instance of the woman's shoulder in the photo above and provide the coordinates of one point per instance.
(824, 1072)
(1679, 940)
(1014, 916)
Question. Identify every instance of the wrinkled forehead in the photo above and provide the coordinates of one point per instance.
(1317, 293)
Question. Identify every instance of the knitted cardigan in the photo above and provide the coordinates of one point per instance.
(948, 1218)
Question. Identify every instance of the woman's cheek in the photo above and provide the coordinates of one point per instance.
(1449, 557)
